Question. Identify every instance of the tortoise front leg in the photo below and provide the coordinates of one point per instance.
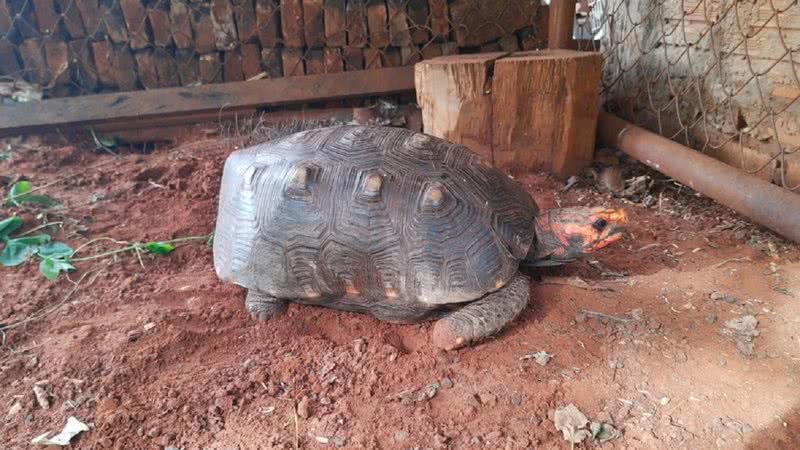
(263, 306)
(483, 317)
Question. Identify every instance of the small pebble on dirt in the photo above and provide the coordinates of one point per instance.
(447, 383)
(13, 411)
(134, 335)
(41, 397)
(711, 318)
(302, 408)
(339, 441)
(149, 326)
(516, 400)
(400, 436)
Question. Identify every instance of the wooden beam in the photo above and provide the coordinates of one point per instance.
(560, 24)
(130, 106)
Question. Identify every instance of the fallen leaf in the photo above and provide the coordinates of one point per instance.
(71, 429)
(572, 424)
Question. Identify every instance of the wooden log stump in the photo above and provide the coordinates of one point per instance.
(335, 24)
(452, 93)
(546, 105)
(272, 61)
(268, 23)
(313, 23)
(292, 23)
(356, 20)
(180, 18)
(536, 112)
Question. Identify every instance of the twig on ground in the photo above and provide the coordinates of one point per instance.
(742, 259)
(574, 282)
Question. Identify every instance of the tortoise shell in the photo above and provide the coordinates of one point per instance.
(362, 217)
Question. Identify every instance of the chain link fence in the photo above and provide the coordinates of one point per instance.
(720, 76)
(58, 48)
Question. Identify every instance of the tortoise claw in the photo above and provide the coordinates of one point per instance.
(263, 307)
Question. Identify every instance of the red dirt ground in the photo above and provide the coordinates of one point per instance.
(165, 355)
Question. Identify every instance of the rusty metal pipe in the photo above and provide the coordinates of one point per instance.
(767, 204)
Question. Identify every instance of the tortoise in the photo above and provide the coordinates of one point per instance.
(391, 222)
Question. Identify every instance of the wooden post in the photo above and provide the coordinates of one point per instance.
(545, 110)
(452, 93)
(524, 112)
(561, 23)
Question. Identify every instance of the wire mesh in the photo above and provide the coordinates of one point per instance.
(717, 75)
(57, 48)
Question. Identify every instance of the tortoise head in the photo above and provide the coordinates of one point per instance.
(564, 234)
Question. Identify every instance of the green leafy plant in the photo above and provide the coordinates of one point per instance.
(22, 192)
(57, 257)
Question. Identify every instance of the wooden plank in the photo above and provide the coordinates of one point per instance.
(101, 51)
(9, 62)
(509, 43)
(113, 21)
(57, 56)
(251, 60)
(135, 16)
(313, 25)
(46, 16)
(372, 58)
(545, 110)
(353, 58)
(203, 26)
(478, 22)
(451, 91)
(292, 23)
(107, 108)
(24, 18)
(392, 57)
(432, 51)
(6, 23)
(224, 26)
(418, 21)
(71, 19)
(315, 62)
(188, 67)
(333, 60)
(335, 23)
(84, 71)
(232, 66)
(244, 14)
(210, 68)
(410, 55)
(449, 48)
(166, 68)
(32, 53)
(440, 19)
(89, 16)
(160, 24)
(356, 11)
(146, 68)
(272, 61)
(377, 22)
(561, 24)
(398, 23)
(267, 20)
(293, 62)
(181, 20)
(124, 68)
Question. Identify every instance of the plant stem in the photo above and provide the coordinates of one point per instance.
(39, 228)
(133, 247)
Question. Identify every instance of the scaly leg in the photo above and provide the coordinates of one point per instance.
(483, 317)
(263, 306)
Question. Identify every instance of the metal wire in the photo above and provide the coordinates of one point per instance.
(717, 75)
